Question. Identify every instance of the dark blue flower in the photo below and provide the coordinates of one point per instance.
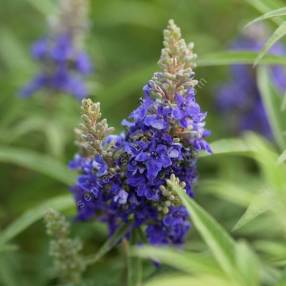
(155, 160)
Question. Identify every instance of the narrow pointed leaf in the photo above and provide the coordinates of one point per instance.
(248, 264)
(183, 280)
(234, 57)
(274, 13)
(229, 191)
(218, 240)
(265, 6)
(184, 261)
(258, 206)
(272, 103)
(33, 215)
(38, 163)
(275, 37)
(273, 249)
(229, 147)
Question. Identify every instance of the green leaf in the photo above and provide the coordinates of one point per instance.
(229, 191)
(272, 103)
(183, 280)
(218, 240)
(33, 215)
(259, 205)
(231, 57)
(273, 173)
(274, 13)
(264, 6)
(134, 269)
(181, 260)
(264, 154)
(275, 250)
(228, 147)
(134, 263)
(273, 196)
(248, 264)
(109, 244)
(282, 157)
(33, 123)
(38, 163)
(276, 36)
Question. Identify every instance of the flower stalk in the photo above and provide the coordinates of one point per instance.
(68, 262)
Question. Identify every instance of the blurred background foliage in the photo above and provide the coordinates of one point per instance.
(36, 134)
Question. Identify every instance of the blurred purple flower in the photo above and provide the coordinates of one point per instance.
(63, 68)
(239, 100)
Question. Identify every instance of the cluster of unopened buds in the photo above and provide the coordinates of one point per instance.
(68, 262)
(124, 178)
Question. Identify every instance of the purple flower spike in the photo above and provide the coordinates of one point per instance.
(64, 66)
(124, 178)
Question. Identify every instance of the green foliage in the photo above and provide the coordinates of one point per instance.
(238, 215)
(274, 13)
(38, 163)
(279, 33)
(190, 262)
(109, 244)
(218, 240)
(272, 102)
(267, 7)
(230, 57)
(33, 215)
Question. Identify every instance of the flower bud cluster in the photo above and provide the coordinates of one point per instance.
(68, 262)
(92, 130)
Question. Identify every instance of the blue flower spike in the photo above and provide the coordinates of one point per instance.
(123, 178)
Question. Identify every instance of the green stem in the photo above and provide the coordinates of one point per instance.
(108, 245)
(134, 264)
